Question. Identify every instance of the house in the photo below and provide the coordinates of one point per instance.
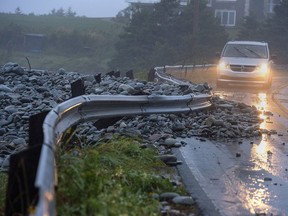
(232, 12)
(229, 12)
(34, 42)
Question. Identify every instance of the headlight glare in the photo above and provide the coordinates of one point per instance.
(263, 68)
(223, 65)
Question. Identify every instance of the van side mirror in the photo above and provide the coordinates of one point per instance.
(273, 57)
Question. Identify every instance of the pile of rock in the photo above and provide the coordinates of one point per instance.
(24, 93)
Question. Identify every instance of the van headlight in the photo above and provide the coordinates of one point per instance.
(223, 65)
(263, 68)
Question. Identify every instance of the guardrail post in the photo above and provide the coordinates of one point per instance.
(151, 75)
(130, 74)
(117, 74)
(22, 194)
(98, 78)
(78, 88)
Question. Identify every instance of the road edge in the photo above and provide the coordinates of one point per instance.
(206, 206)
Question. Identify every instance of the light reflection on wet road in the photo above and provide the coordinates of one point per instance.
(256, 182)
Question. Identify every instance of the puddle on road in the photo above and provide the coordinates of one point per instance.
(263, 184)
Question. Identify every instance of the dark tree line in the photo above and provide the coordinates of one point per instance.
(164, 36)
(273, 30)
(61, 12)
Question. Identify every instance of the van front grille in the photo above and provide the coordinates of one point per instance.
(242, 68)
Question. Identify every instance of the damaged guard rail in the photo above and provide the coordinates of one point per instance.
(94, 107)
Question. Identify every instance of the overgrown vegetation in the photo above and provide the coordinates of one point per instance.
(74, 43)
(111, 178)
(164, 35)
(156, 36)
(3, 186)
(114, 178)
(273, 30)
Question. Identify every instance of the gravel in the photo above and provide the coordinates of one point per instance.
(24, 93)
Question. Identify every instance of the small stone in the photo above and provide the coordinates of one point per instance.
(75, 153)
(19, 141)
(267, 179)
(183, 200)
(168, 196)
(269, 152)
(155, 196)
(280, 134)
(167, 158)
(123, 125)
(170, 142)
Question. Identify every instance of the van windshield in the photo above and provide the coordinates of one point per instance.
(245, 51)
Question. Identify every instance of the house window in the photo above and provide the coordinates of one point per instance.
(271, 5)
(226, 17)
(209, 3)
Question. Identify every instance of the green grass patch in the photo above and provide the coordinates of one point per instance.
(115, 178)
(53, 62)
(45, 24)
(74, 43)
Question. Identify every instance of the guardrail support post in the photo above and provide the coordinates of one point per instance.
(78, 88)
(22, 194)
(98, 78)
(130, 74)
(117, 74)
(151, 75)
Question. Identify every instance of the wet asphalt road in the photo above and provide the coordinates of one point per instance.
(245, 176)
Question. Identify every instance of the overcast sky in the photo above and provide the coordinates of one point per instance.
(89, 8)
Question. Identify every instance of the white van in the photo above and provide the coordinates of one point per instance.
(245, 62)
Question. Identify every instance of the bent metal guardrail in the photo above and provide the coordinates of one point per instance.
(160, 72)
(94, 107)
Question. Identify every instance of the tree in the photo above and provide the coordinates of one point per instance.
(249, 29)
(18, 10)
(60, 12)
(163, 35)
(70, 13)
(276, 33)
(53, 12)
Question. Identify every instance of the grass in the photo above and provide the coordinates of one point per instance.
(53, 62)
(3, 185)
(97, 35)
(115, 178)
(45, 24)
